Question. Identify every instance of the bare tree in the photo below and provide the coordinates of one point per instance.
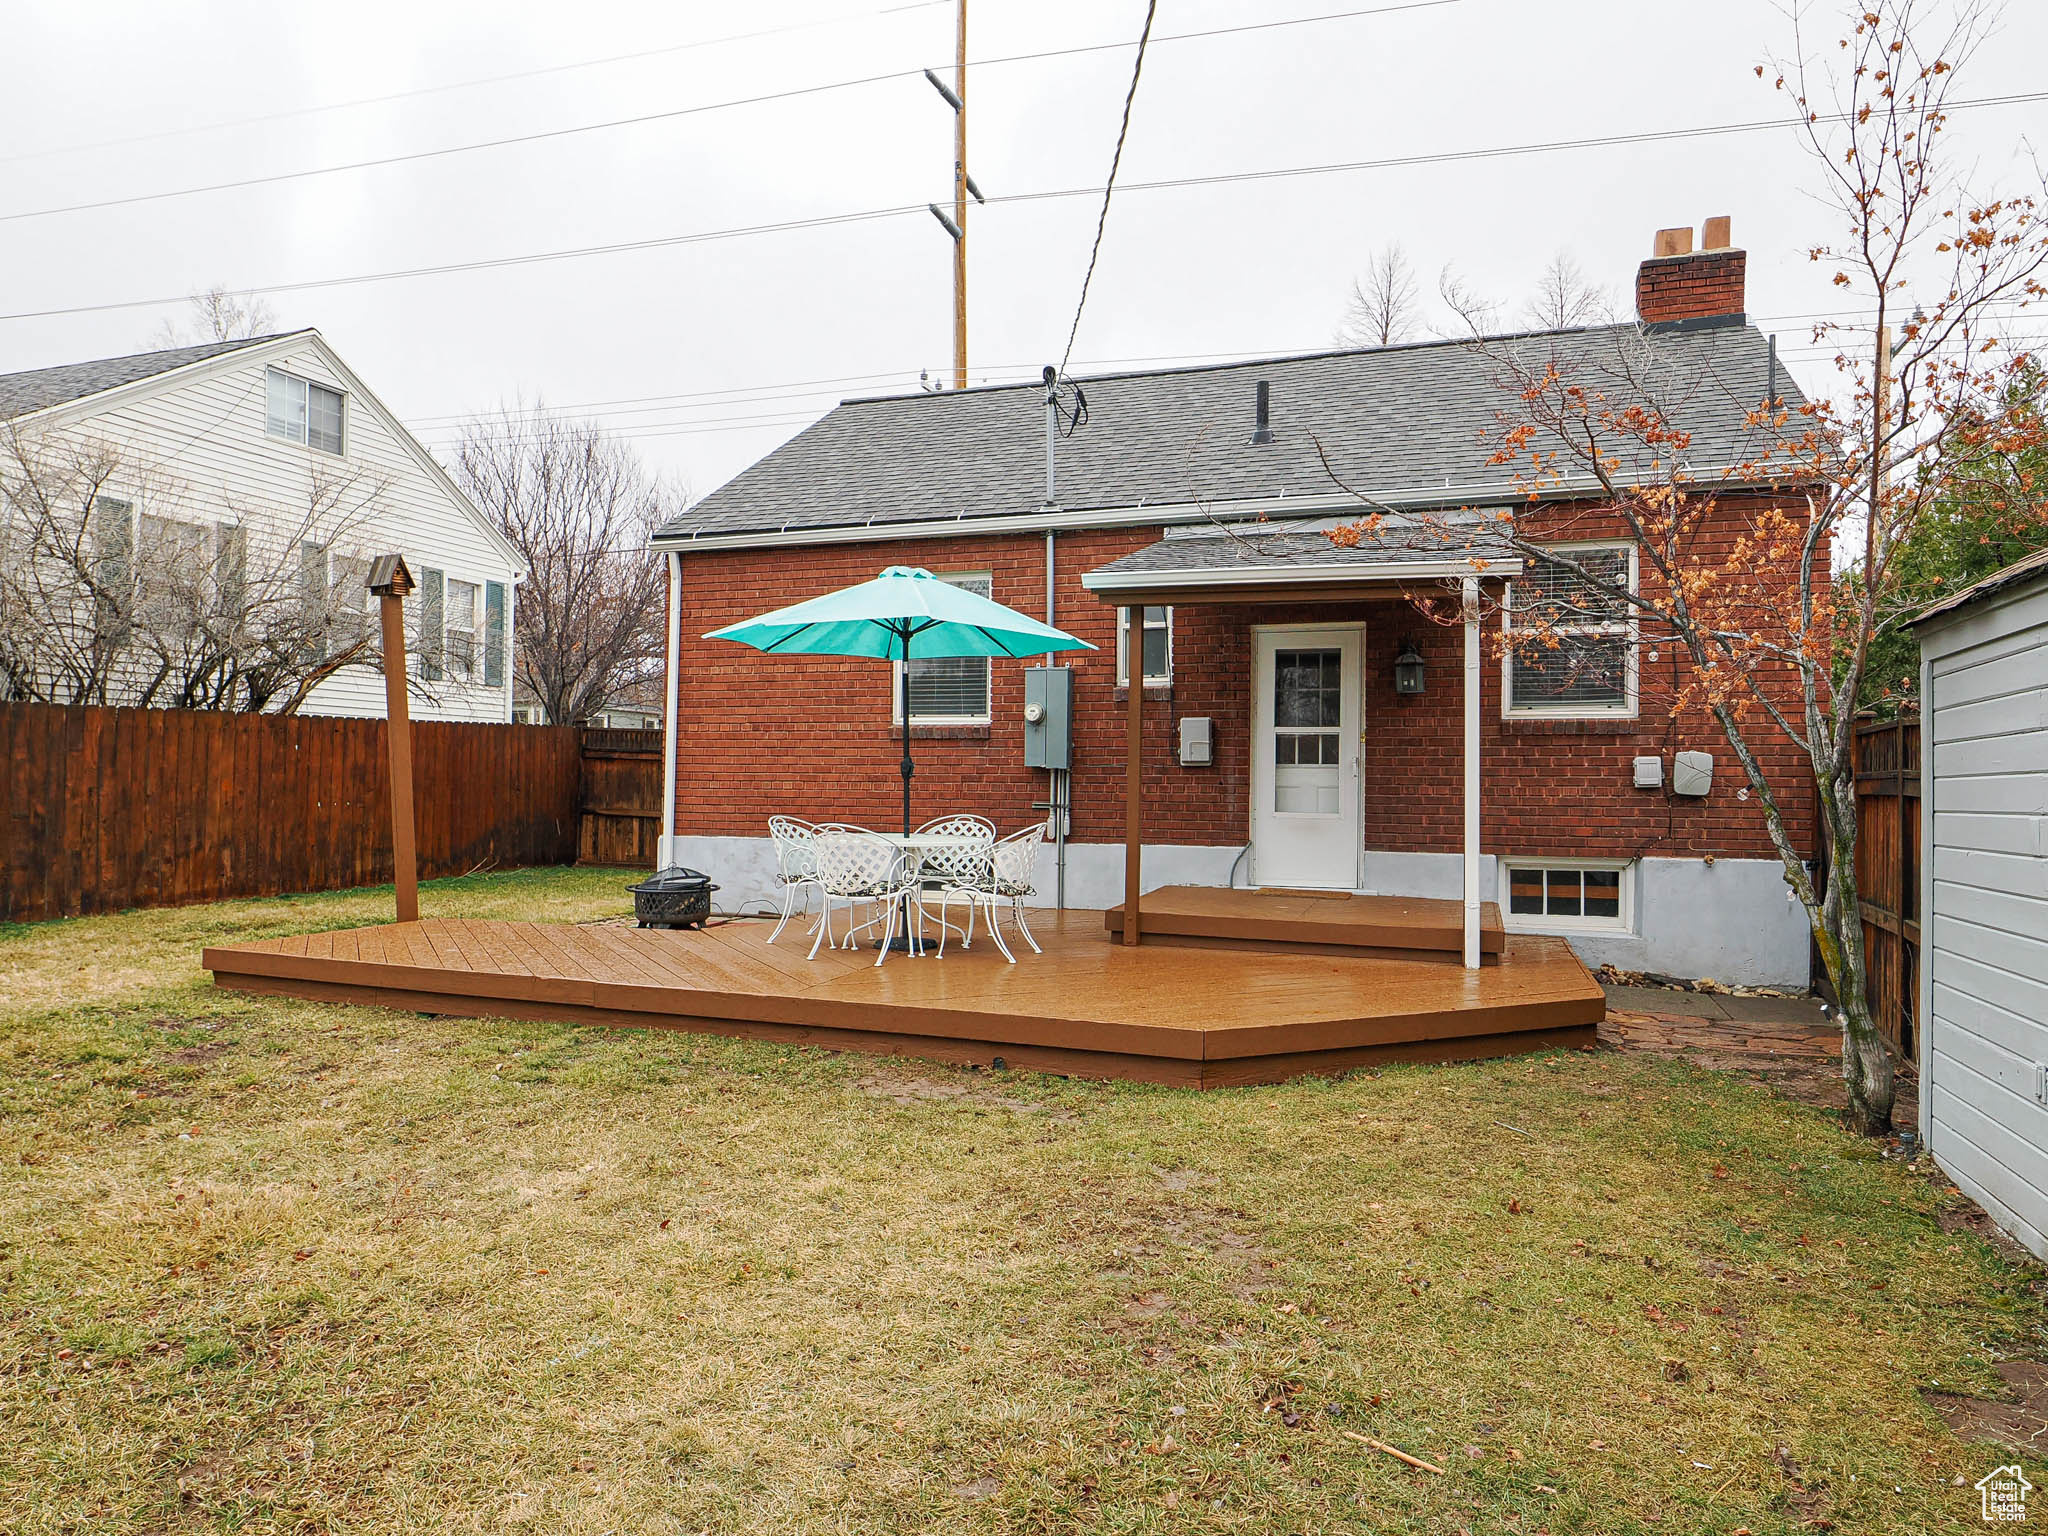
(1735, 557)
(1383, 307)
(1472, 312)
(1565, 297)
(218, 314)
(108, 595)
(579, 507)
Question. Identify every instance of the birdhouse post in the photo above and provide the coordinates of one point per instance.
(393, 583)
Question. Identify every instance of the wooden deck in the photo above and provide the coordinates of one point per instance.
(1086, 1007)
(1336, 922)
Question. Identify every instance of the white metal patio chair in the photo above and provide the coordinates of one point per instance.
(1012, 864)
(796, 865)
(953, 869)
(856, 867)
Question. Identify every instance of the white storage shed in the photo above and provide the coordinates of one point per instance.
(1984, 894)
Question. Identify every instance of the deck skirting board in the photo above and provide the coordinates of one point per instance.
(1084, 1007)
(1178, 1072)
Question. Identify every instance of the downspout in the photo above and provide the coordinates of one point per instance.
(670, 703)
(1471, 838)
(1059, 781)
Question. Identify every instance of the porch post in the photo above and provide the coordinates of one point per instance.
(1471, 607)
(671, 692)
(1133, 737)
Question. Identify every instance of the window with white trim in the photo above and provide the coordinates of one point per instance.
(1577, 654)
(463, 655)
(1568, 895)
(300, 411)
(946, 690)
(1157, 647)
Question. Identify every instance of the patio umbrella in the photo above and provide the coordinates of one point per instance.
(904, 614)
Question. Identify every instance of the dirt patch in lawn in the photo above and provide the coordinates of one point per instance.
(2019, 1420)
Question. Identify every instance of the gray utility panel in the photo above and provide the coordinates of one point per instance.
(1048, 717)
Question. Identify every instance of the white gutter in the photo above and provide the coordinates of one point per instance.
(1142, 515)
(1289, 575)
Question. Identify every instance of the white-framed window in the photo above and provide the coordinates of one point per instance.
(1568, 895)
(300, 411)
(460, 641)
(461, 629)
(1581, 662)
(1157, 647)
(946, 690)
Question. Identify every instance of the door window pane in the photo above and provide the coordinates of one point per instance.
(1308, 708)
(1308, 688)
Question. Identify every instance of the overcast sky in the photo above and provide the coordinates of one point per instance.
(709, 353)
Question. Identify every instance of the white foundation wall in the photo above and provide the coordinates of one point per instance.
(1733, 920)
(1729, 920)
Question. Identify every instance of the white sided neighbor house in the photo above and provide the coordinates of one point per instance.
(233, 440)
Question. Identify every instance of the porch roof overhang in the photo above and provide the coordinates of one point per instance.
(1300, 567)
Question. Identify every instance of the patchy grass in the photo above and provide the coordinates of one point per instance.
(275, 1266)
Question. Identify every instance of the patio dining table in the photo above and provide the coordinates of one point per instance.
(920, 845)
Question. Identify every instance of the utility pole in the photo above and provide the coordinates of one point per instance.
(960, 200)
(955, 224)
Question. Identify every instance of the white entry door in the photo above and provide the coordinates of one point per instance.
(1305, 757)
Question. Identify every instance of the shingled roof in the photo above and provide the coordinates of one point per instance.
(1410, 425)
(40, 388)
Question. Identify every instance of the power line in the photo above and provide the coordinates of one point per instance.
(869, 215)
(1109, 187)
(671, 114)
(461, 85)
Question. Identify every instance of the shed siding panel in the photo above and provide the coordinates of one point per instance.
(1987, 927)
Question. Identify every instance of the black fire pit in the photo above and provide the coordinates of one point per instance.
(674, 898)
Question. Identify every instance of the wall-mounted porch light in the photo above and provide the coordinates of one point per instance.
(1408, 669)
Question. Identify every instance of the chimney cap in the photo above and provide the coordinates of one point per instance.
(1672, 242)
(1715, 234)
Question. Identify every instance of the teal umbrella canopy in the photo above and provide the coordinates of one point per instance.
(904, 606)
(905, 614)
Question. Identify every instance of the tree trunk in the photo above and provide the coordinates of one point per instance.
(1838, 928)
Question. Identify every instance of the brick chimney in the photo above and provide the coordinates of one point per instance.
(1678, 284)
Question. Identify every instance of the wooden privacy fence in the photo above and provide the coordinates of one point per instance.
(103, 809)
(1887, 759)
(621, 798)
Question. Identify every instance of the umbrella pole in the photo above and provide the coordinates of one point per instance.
(908, 767)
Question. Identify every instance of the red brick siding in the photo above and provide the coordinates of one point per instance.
(812, 735)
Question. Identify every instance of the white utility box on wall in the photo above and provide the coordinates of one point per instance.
(1692, 773)
(1649, 773)
(1196, 745)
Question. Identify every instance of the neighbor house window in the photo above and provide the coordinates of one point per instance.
(300, 411)
(1576, 651)
(461, 632)
(947, 690)
(1157, 647)
(1568, 895)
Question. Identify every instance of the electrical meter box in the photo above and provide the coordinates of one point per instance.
(1048, 717)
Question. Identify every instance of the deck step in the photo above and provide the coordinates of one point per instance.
(1309, 922)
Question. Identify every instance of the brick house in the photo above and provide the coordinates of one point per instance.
(1195, 503)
